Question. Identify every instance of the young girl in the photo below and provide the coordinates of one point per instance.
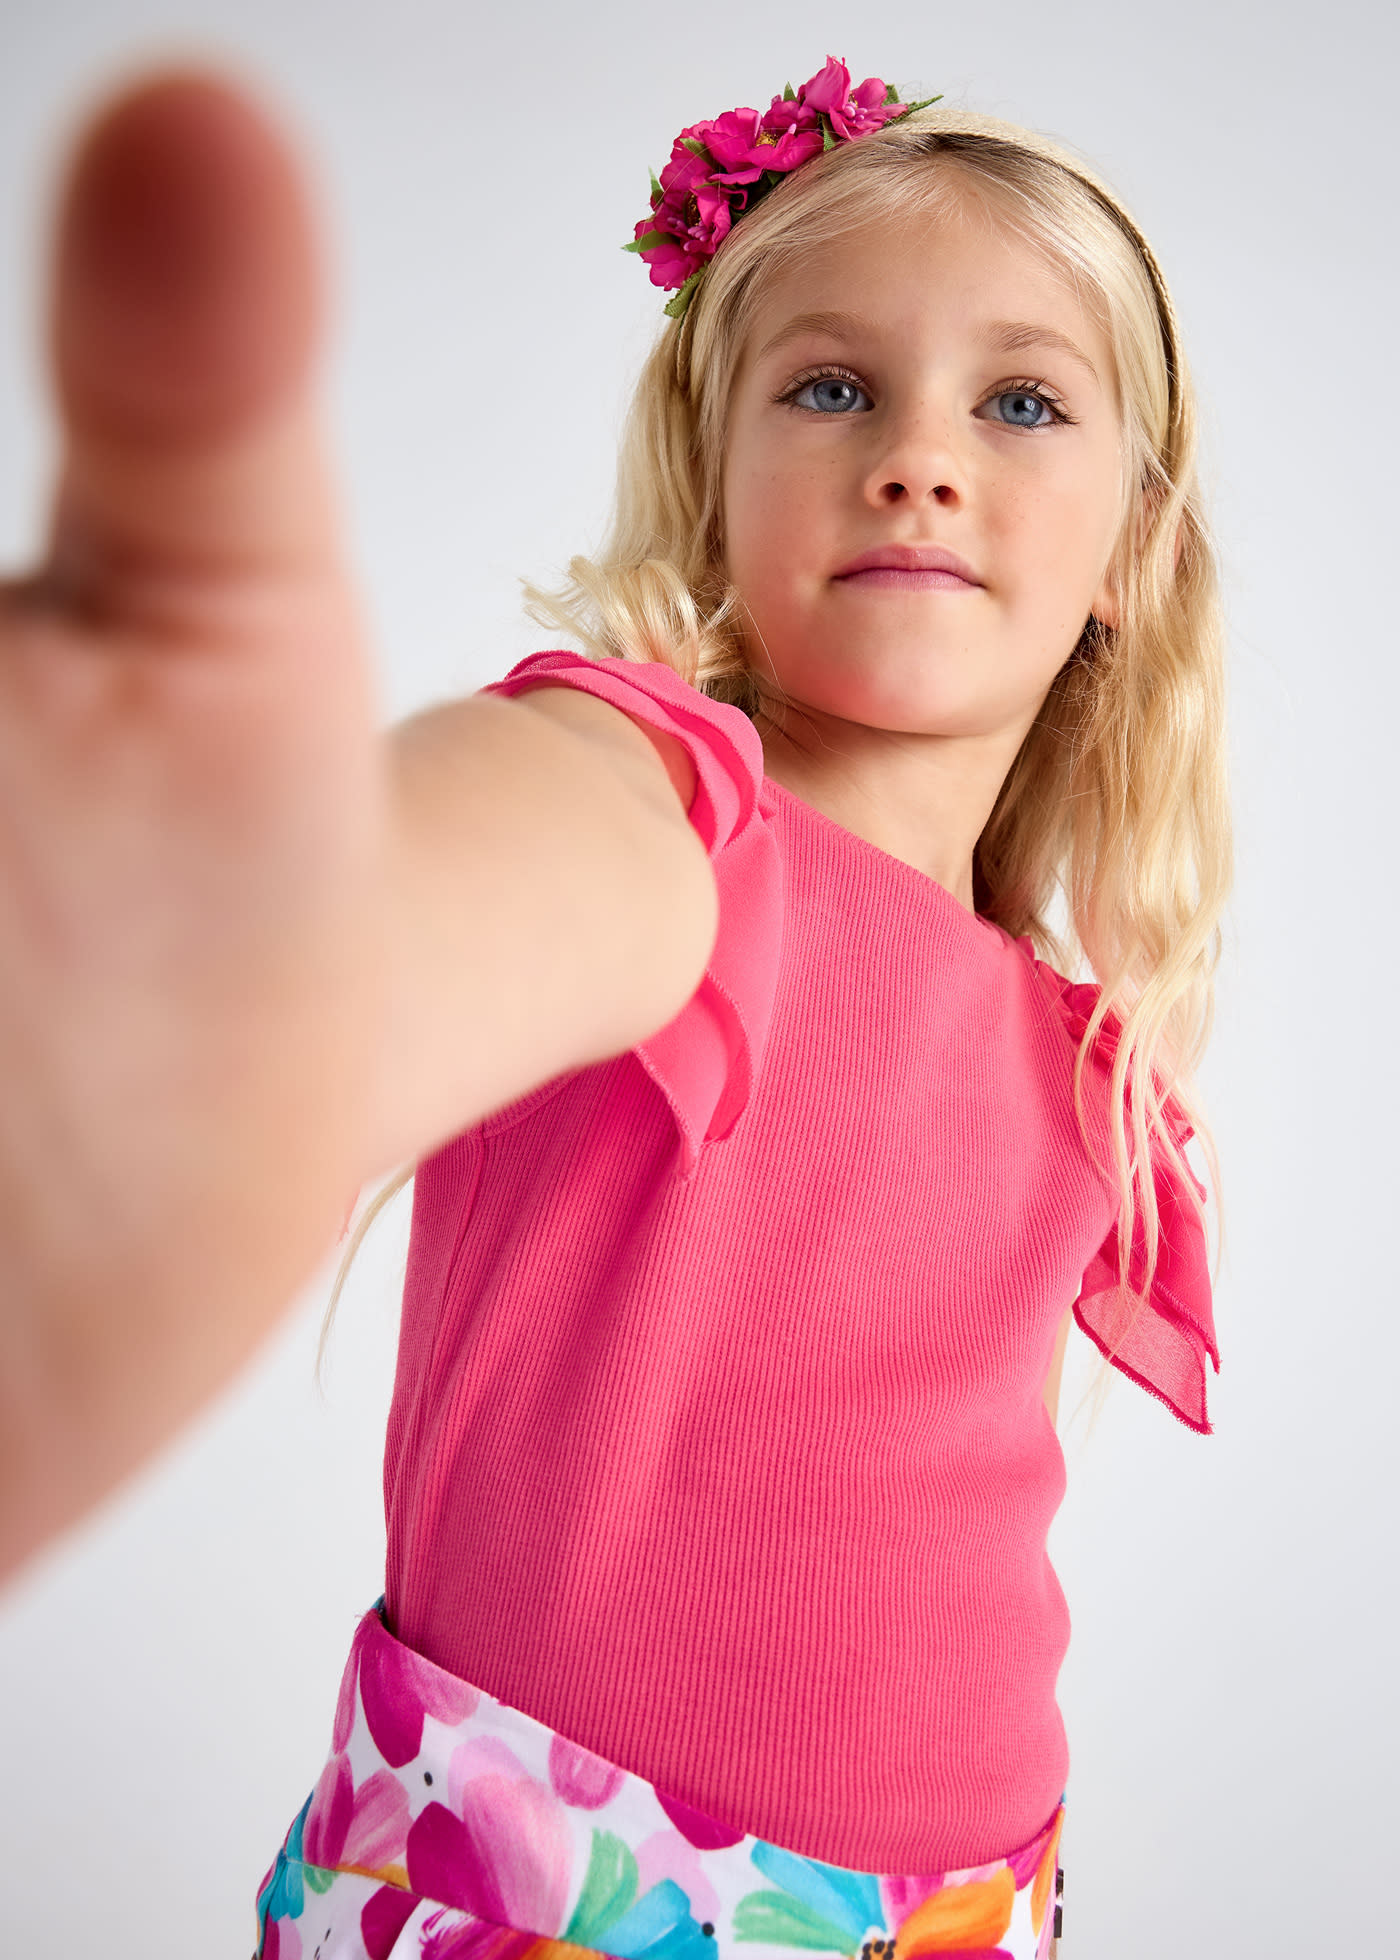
(718, 1617)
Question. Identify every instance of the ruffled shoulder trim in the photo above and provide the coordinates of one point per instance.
(706, 1060)
(1164, 1344)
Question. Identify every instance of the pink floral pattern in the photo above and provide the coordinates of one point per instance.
(362, 1828)
(448, 1826)
(582, 1779)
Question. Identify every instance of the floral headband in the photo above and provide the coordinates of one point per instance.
(719, 170)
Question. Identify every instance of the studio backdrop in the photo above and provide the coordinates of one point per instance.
(168, 1672)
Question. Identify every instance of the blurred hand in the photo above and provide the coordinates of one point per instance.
(191, 813)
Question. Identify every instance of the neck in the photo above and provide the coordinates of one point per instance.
(924, 799)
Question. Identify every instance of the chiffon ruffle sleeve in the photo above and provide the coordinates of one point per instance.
(705, 1060)
(1163, 1343)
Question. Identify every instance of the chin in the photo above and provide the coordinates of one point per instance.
(945, 711)
(906, 689)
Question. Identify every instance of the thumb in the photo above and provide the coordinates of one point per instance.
(186, 303)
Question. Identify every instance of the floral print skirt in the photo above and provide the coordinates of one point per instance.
(449, 1826)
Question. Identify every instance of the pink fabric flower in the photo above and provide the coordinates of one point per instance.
(684, 170)
(720, 169)
(669, 258)
(851, 112)
(730, 140)
(745, 144)
(791, 133)
(693, 217)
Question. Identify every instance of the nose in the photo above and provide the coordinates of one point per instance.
(918, 463)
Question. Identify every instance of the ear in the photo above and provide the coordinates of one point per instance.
(1107, 607)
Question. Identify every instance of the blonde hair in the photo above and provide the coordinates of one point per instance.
(1115, 809)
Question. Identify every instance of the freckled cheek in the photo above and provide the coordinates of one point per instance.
(769, 539)
(1047, 551)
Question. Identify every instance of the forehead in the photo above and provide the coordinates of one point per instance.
(963, 267)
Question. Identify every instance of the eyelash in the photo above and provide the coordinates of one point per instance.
(1026, 386)
(1039, 391)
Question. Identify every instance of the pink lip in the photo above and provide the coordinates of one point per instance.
(910, 568)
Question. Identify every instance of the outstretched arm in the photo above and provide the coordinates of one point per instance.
(549, 905)
(251, 951)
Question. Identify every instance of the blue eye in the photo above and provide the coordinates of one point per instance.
(1020, 409)
(830, 394)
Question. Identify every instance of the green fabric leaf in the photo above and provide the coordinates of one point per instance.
(696, 147)
(675, 308)
(656, 191)
(828, 140)
(318, 1878)
(776, 1919)
(927, 103)
(891, 92)
(648, 241)
(609, 1887)
(789, 92)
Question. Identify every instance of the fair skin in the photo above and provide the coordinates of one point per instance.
(878, 403)
(937, 387)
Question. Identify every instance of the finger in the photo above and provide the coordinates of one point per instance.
(186, 302)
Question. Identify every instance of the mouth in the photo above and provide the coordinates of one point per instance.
(909, 568)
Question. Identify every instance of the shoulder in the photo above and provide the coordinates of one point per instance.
(677, 741)
(634, 743)
(1070, 1003)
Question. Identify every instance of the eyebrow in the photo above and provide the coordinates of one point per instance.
(1020, 336)
(1004, 336)
(838, 325)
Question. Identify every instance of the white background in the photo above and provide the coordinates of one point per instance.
(167, 1675)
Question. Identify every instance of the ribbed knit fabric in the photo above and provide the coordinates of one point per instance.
(718, 1442)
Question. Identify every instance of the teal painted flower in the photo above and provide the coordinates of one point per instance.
(283, 1896)
(611, 1918)
(817, 1908)
(822, 1909)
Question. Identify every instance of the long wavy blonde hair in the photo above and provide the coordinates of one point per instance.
(1109, 844)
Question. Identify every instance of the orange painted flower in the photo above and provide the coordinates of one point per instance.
(966, 1918)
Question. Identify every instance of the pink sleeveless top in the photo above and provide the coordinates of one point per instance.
(717, 1440)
